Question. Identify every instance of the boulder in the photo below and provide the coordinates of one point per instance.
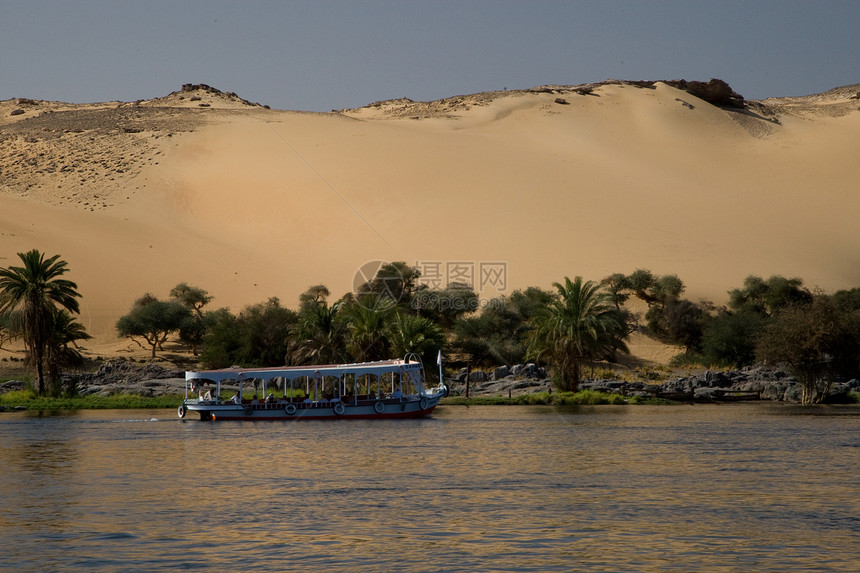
(478, 376)
(500, 372)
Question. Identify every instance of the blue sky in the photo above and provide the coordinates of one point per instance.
(331, 54)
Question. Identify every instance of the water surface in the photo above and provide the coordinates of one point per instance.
(686, 488)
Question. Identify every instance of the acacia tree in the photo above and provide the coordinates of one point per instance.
(445, 306)
(619, 286)
(731, 335)
(152, 320)
(766, 297)
(815, 341)
(579, 324)
(498, 334)
(30, 296)
(193, 298)
(396, 281)
(193, 329)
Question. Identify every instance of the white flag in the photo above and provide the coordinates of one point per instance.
(439, 358)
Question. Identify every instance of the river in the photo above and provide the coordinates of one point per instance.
(741, 487)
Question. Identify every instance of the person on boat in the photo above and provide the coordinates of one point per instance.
(254, 400)
(397, 394)
(237, 399)
(270, 399)
(207, 396)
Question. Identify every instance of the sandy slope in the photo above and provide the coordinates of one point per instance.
(250, 203)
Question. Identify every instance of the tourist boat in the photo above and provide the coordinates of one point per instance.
(384, 389)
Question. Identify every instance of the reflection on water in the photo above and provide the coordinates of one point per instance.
(718, 488)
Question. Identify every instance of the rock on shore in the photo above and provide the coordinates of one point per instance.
(123, 377)
(746, 384)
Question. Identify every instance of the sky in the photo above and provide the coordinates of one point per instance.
(332, 54)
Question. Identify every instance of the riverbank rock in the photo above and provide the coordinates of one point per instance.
(123, 377)
(11, 385)
(753, 383)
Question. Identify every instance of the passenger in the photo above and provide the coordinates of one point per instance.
(397, 394)
(270, 399)
(237, 399)
(207, 396)
(254, 400)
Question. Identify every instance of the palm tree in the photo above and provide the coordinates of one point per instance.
(579, 324)
(366, 320)
(30, 295)
(409, 333)
(319, 336)
(62, 349)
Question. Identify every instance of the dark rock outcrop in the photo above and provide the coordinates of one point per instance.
(714, 91)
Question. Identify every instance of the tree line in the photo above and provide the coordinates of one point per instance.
(777, 321)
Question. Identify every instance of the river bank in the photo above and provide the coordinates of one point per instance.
(752, 383)
(519, 384)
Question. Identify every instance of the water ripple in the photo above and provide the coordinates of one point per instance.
(480, 489)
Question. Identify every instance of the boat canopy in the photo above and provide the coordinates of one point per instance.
(318, 371)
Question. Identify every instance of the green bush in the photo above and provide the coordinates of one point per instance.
(28, 399)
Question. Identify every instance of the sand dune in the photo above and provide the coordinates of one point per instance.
(250, 203)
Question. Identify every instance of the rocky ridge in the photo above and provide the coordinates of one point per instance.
(81, 154)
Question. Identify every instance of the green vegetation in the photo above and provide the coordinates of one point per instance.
(32, 401)
(579, 325)
(817, 343)
(193, 327)
(581, 398)
(36, 304)
(498, 335)
(153, 320)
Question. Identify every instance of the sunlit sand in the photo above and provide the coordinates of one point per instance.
(251, 203)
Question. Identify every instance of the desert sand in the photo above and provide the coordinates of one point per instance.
(533, 185)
